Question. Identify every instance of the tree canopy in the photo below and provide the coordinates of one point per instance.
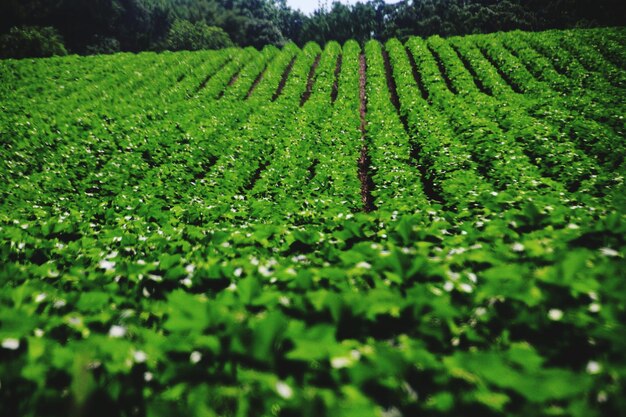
(185, 35)
(31, 41)
(101, 26)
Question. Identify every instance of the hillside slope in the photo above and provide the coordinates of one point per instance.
(432, 228)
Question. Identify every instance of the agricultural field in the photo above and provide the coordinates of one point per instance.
(434, 228)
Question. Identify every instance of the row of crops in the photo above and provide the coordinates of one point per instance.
(432, 228)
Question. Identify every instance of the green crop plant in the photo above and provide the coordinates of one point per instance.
(429, 228)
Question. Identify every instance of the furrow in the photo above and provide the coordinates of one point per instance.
(479, 84)
(335, 90)
(364, 163)
(210, 75)
(514, 86)
(257, 81)
(283, 79)
(230, 83)
(442, 70)
(415, 150)
(310, 81)
(417, 76)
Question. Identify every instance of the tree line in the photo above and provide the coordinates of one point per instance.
(56, 27)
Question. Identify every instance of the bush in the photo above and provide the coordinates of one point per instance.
(263, 32)
(103, 45)
(185, 35)
(31, 42)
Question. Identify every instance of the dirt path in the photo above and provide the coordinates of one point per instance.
(311, 81)
(367, 184)
(335, 91)
(416, 158)
(209, 76)
(283, 79)
(257, 80)
(232, 81)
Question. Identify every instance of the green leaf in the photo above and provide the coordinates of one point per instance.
(92, 301)
(187, 313)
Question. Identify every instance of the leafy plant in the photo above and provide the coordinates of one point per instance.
(184, 232)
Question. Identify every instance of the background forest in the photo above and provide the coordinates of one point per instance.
(57, 27)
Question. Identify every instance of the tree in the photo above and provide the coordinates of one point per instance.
(184, 35)
(103, 45)
(290, 23)
(31, 42)
(260, 33)
(101, 26)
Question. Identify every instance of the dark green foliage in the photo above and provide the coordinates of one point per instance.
(31, 42)
(183, 234)
(105, 26)
(184, 35)
(259, 33)
(103, 46)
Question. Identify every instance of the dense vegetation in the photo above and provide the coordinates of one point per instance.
(431, 228)
(105, 26)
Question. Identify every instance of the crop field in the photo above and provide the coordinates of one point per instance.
(429, 228)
